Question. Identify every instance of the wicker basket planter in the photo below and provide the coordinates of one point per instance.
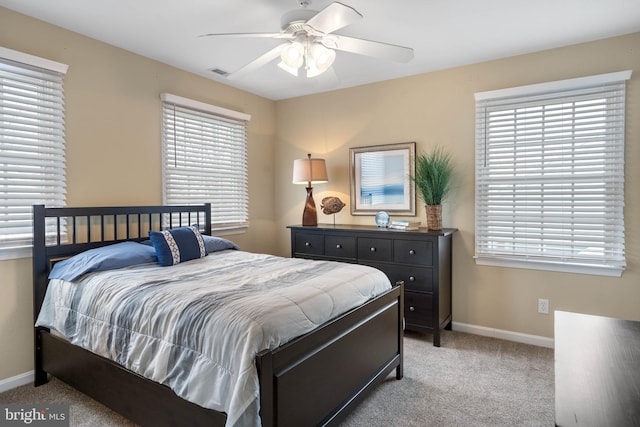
(434, 217)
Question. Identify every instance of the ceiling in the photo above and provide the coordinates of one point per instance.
(443, 33)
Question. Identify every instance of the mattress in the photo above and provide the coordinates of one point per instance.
(197, 326)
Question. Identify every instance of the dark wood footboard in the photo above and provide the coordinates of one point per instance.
(318, 378)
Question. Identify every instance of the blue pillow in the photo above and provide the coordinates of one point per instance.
(109, 257)
(215, 244)
(177, 245)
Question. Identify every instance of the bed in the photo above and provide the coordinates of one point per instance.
(312, 379)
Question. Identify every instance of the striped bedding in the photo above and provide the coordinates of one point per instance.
(197, 326)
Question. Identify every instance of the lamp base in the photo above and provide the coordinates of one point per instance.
(309, 215)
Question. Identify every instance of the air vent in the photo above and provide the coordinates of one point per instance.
(219, 71)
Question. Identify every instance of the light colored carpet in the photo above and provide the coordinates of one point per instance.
(469, 381)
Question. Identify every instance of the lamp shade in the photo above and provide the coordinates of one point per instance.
(309, 170)
(293, 54)
(319, 59)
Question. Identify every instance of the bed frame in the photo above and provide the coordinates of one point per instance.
(316, 379)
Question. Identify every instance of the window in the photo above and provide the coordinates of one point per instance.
(204, 159)
(550, 176)
(32, 145)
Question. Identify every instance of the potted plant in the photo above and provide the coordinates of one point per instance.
(433, 180)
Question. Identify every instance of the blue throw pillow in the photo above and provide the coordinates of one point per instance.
(118, 255)
(177, 245)
(215, 244)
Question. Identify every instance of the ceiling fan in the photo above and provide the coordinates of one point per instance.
(310, 42)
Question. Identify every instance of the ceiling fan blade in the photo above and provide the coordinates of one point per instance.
(251, 35)
(333, 17)
(369, 48)
(258, 62)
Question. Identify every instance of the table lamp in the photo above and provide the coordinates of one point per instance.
(309, 171)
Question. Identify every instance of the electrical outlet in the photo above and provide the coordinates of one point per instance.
(543, 306)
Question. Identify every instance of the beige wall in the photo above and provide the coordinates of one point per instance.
(112, 106)
(438, 109)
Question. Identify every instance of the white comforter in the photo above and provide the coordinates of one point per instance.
(198, 326)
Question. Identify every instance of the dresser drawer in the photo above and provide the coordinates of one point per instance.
(417, 252)
(373, 249)
(418, 309)
(309, 243)
(415, 278)
(340, 246)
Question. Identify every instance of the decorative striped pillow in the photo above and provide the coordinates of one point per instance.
(178, 245)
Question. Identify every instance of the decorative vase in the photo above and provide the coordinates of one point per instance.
(434, 217)
(309, 214)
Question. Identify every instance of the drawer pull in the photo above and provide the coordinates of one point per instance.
(372, 249)
(307, 244)
(412, 252)
(412, 279)
(412, 308)
(339, 246)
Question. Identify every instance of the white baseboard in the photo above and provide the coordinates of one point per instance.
(505, 335)
(17, 381)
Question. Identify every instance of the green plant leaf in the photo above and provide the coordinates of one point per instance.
(433, 176)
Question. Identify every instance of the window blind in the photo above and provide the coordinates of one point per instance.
(32, 146)
(550, 176)
(205, 159)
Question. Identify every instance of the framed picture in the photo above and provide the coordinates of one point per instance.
(381, 179)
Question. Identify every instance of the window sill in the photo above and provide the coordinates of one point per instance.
(564, 267)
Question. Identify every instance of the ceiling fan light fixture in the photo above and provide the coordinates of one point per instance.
(319, 59)
(293, 55)
(323, 57)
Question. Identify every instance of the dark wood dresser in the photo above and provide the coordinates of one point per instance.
(422, 259)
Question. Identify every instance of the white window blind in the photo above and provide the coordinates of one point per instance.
(205, 159)
(32, 145)
(550, 176)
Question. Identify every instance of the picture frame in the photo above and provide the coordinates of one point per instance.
(381, 179)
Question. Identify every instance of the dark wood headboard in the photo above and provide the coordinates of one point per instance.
(59, 233)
